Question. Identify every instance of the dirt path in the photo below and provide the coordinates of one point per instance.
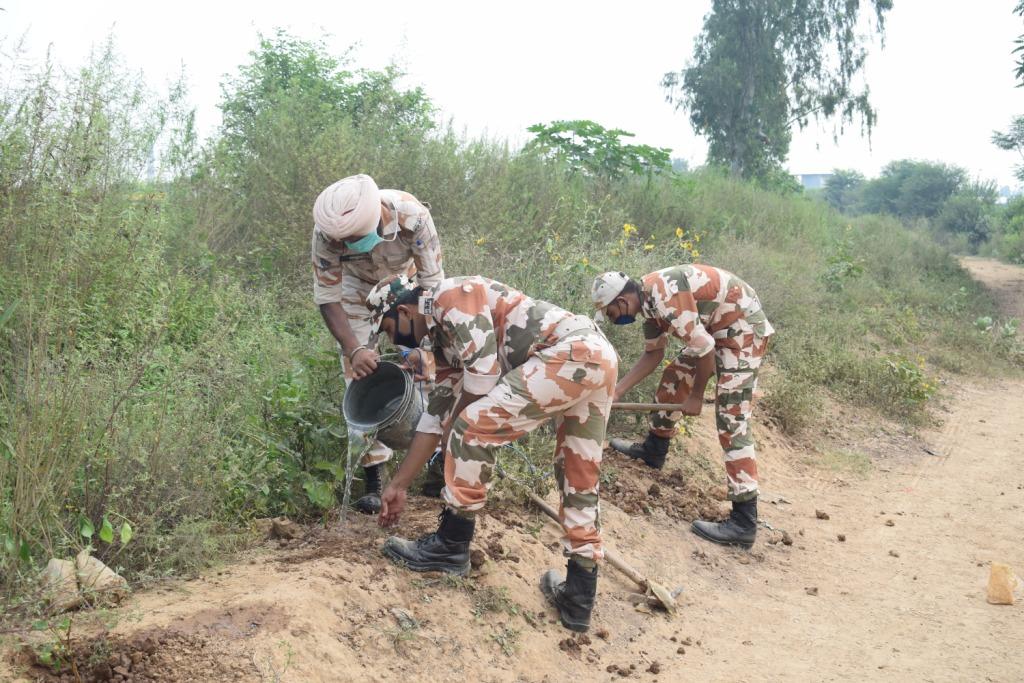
(902, 598)
(1005, 281)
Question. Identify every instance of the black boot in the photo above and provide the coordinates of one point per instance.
(433, 482)
(740, 529)
(369, 504)
(573, 597)
(445, 550)
(652, 450)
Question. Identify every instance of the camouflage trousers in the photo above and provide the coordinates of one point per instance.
(738, 354)
(571, 383)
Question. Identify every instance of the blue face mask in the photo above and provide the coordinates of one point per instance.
(624, 320)
(365, 243)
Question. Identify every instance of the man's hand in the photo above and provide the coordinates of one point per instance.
(364, 362)
(415, 364)
(392, 504)
(692, 405)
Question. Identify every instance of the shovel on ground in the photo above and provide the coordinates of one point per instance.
(655, 595)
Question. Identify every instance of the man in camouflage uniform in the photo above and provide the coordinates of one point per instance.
(362, 234)
(724, 331)
(506, 364)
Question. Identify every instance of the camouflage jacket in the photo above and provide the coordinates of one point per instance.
(488, 328)
(411, 246)
(698, 304)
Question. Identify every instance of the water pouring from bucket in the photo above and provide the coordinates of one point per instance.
(386, 406)
(387, 402)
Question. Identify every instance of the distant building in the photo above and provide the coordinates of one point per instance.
(813, 181)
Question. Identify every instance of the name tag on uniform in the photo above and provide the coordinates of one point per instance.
(426, 305)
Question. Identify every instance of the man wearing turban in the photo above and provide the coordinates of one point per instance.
(362, 235)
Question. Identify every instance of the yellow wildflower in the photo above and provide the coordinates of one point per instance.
(680, 232)
(696, 237)
(695, 254)
(687, 245)
(585, 261)
(628, 229)
(648, 247)
(480, 241)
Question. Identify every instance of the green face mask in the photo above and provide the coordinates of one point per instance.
(365, 243)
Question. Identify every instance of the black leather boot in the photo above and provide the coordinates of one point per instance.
(445, 550)
(740, 529)
(433, 482)
(369, 504)
(574, 597)
(651, 450)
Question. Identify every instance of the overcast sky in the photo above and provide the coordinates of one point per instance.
(942, 83)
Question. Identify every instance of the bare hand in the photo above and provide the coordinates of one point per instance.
(414, 363)
(692, 405)
(364, 362)
(392, 503)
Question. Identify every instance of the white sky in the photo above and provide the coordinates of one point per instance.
(942, 84)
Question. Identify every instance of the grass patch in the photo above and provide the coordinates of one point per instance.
(846, 462)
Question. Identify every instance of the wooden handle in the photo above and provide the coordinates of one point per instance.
(610, 555)
(647, 407)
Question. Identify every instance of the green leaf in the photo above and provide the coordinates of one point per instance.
(106, 531)
(126, 533)
(8, 449)
(335, 468)
(40, 625)
(320, 493)
(8, 312)
(85, 528)
(25, 555)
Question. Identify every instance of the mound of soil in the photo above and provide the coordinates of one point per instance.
(152, 656)
(639, 489)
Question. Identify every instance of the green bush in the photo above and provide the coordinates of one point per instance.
(161, 361)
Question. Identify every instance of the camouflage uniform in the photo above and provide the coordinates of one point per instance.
(411, 246)
(530, 361)
(710, 308)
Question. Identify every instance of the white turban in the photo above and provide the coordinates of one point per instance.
(348, 208)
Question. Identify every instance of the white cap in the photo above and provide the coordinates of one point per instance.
(606, 287)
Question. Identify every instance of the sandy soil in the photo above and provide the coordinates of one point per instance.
(890, 587)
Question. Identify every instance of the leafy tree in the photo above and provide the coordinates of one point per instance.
(597, 150)
(971, 212)
(1019, 49)
(842, 188)
(761, 66)
(912, 189)
(287, 73)
(1013, 141)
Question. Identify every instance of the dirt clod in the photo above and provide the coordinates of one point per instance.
(285, 529)
(893, 553)
(841, 538)
(811, 590)
(821, 514)
(889, 522)
(786, 538)
(654, 668)
(477, 558)
(602, 633)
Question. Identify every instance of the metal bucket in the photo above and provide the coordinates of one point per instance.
(388, 402)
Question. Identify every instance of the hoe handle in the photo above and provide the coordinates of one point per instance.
(647, 407)
(609, 554)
